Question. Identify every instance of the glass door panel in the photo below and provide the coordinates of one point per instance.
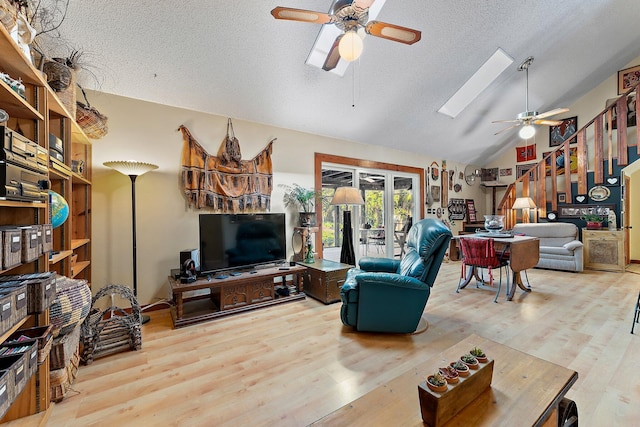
(403, 212)
(333, 215)
(372, 232)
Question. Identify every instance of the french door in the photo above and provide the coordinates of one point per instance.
(380, 225)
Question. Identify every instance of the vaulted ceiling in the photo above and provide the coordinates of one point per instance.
(234, 59)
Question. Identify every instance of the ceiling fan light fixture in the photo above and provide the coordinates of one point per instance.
(350, 46)
(527, 131)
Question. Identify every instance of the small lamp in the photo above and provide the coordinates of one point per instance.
(524, 203)
(133, 169)
(347, 196)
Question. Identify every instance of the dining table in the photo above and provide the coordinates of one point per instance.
(524, 254)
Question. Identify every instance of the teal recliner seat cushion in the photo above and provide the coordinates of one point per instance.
(388, 295)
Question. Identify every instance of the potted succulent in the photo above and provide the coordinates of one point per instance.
(437, 382)
(470, 361)
(460, 367)
(479, 354)
(450, 374)
(304, 199)
(594, 221)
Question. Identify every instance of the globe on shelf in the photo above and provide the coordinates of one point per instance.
(59, 209)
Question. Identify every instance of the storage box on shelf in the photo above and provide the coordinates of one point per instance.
(38, 113)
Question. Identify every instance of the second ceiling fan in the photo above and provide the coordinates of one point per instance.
(529, 118)
(349, 16)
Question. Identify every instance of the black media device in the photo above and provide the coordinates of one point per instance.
(237, 241)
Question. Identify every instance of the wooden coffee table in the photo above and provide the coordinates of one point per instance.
(525, 391)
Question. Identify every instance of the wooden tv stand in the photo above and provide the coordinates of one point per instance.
(234, 294)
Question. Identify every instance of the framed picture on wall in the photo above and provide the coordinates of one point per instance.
(522, 169)
(559, 134)
(628, 78)
(562, 198)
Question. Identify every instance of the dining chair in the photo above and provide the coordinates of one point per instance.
(481, 254)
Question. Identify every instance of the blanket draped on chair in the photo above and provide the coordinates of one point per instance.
(225, 184)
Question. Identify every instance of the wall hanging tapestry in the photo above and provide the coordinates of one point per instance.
(525, 154)
(225, 183)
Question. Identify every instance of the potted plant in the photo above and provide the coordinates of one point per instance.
(304, 199)
(460, 367)
(437, 382)
(450, 374)
(479, 354)
(594, 221)
(470, 361)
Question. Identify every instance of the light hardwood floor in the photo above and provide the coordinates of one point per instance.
(292, 364)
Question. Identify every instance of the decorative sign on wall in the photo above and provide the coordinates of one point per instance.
(457, 209)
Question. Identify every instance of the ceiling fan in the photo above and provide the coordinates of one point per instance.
(349, 16)
(529, 118)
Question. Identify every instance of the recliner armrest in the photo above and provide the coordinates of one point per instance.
(386, 279)
(385, 265)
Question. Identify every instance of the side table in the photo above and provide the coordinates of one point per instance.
(324, 279)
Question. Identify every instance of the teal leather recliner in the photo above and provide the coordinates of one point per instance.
(389, 295)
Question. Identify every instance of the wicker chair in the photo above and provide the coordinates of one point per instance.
(112, 329)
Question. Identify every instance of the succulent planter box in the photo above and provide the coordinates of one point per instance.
(438, 408)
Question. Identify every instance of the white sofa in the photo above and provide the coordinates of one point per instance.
(560, 248)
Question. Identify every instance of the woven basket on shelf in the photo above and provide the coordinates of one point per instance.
(93, 123)
(58, 74)
(8, 14)
(67, 96)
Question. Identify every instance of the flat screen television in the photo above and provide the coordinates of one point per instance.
(240, 241)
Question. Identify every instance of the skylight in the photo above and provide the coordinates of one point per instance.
(486, 74)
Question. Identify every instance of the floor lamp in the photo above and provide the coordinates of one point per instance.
(133, 169)
(347, 196)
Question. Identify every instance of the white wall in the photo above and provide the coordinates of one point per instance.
(148, 132)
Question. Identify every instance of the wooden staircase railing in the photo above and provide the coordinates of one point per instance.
(595, 138)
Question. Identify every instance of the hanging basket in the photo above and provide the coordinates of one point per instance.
(93, 123)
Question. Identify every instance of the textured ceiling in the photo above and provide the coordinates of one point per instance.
(234, 59)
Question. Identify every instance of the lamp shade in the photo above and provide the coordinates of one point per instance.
(130, 167)
(347, 196)
(350, 46)
(523, 203)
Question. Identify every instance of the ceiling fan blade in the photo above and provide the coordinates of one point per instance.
(301, 15)
(548, 122)
(551, 113)
(393, 32)
(506, 121)
(506, 129)
(333, 56)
